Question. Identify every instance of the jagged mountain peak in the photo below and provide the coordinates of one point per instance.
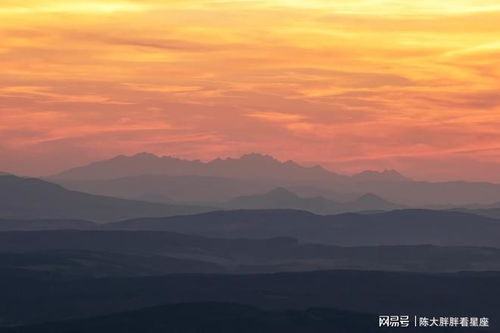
(282, 193)
(258, 157)
(145, 155)
(386, 175)
(370, 201)
(370, 197)
(251, 166)
(248, 166)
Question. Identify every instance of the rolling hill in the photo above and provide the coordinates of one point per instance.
(400, 227)
(165, 188)
(281, 198)
(31, 198)
(44, 224)
(215, 317)
(35, 297)
(138, 253)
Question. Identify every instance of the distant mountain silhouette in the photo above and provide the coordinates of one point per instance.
(164, 178)
(280, 194)
(384, 176)
(30, 198)
(164, 188)
(250, 166)
(281, 198)
(400, 227)
(421, 194)
(370, 202)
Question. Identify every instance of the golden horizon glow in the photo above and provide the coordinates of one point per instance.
(367, 84)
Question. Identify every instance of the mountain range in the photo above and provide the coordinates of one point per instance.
(165, 188)
(162, 179)
(97, 253)
(281, 198)
(262, 216)
(400, 227)
(31, 198)
(142, 243)
(248, 166)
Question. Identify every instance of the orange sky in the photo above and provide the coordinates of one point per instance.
(351, 84)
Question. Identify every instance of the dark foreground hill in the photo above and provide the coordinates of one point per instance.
(139, 253)
(213, 317)
(76, 264)
(30, 198)
(36, 297)
(45, 224)
(402, 227)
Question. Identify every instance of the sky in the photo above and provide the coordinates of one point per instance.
(349, 84)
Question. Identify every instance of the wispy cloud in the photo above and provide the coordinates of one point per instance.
(345, 80)
(276, 116)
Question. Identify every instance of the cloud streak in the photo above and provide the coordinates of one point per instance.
(349, 82)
